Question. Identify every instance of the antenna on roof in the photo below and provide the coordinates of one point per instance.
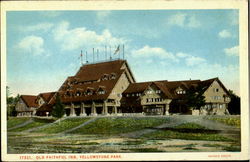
(86, 57)
(93, 55)
(123, 51)
(97, 54)
(110, 52)
(105, 52)
(81, 58)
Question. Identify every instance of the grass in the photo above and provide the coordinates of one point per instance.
(113, 125)
(36, 123)
(146, 150)
(229, 121)
(13, 121)
(189, 126)
(64, 125)
(177, 133)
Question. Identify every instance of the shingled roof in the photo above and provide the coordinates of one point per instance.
(169, 87)
(29, 100)
(47, 96)
(90, 78)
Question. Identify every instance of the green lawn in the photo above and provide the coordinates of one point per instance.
(13, 121)
(36, 123)
(187, 131)
(113, 125)
(229, 121)
(64, 125)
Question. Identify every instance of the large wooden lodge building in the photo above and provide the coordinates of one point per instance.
(109, 88)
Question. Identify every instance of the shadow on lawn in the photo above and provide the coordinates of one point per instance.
(189, 130)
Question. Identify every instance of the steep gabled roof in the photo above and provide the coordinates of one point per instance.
(29, 100)
(137, 87)
(95, 71)
(47, 96)
(207, 83)
(141, 87)
(90, 76)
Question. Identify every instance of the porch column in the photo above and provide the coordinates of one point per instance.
(72, 110)
(105, 108)
(166, 109)
(93, 109)
(83, 112)
(115, 110)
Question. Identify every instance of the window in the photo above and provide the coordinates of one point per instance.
(105, 77)
(89, 92)
(149, 92)
(101, 92)
(127, 95)
(78, 93)
(133, 94)
(158, 91)
(112, 76)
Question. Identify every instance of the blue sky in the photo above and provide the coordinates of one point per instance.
(43, 47)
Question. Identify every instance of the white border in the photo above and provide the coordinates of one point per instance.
(137, 5)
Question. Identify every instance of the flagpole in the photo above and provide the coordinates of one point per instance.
(93, 55)
(105, 52)
(81, 58)
(86, 57)
(97, 54)
(123, 50)
(119, 53)
(110, 52)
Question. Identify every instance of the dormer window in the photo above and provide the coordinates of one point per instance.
(112, 76)
(158, 91)
(78, 93)
(149, 91)
(101, 91)
(68, 94)
(181, 92)
(89, 92)
(105, 77)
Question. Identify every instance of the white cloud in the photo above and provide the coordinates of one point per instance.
(192, 22)
(51, 13)
(233, 51)
(148, 51)
(38, 27)
(193, 60)
(177, 19)
(224, 34)
(184, 20)
(234, 17)
(182, 55)
(71, 39)
(102, 14)
(32, 44)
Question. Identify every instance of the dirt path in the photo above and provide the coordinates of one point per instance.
(225, 130)
(79, 126)
(44, 126)
(21, 125)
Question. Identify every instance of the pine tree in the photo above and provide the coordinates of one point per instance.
(58, 110)
(194, 98)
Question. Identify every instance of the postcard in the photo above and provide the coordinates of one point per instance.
(124, 80)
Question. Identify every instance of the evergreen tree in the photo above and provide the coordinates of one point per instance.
(234, 104)
(58, 110)
(194, 98)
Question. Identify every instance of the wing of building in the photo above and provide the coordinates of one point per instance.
(96, 88)
(26, 106)
(110, 88)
